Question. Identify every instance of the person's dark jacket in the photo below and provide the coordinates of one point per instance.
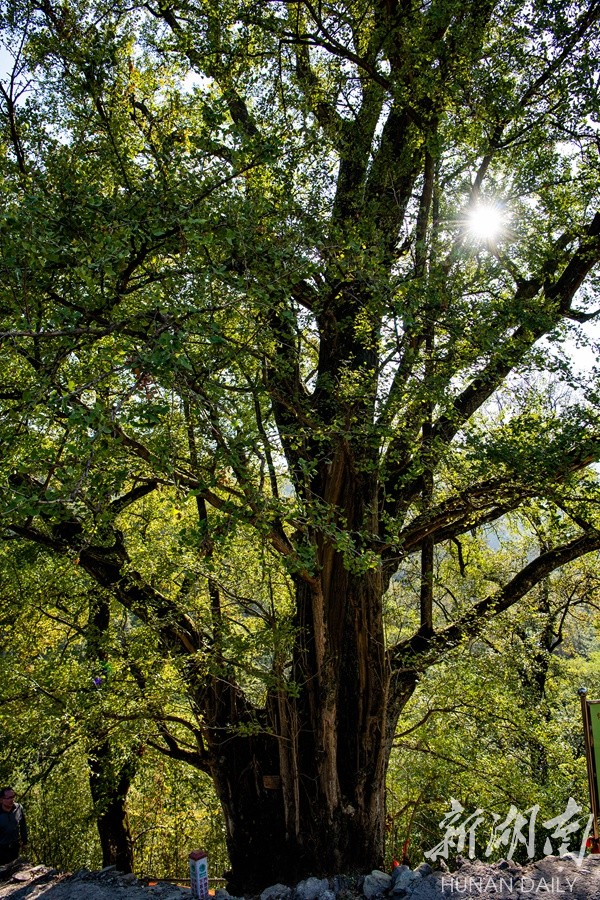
(13, 832)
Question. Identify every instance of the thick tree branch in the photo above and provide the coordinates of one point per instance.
(558, 297)
(109, 567)
(136, 493)
(418, 652)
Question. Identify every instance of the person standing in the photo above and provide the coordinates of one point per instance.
(13, 827)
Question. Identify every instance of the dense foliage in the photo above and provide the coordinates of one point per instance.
(275, 382)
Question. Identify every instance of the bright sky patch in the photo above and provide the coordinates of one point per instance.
(486, 221)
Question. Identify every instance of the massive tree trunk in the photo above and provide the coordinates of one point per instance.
(273, 838)
(306, 795)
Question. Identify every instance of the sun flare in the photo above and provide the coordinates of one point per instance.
(486, 222)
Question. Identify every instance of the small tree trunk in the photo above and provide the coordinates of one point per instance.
(109, 793)
(109, 784)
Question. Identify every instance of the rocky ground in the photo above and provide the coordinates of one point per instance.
(553, 877)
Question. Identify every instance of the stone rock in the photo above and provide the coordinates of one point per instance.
(222, 894)
(376, 884)
(549, 877)
(404, 880)
(311, 889)
(424, 869)
(327, 895)
(398, 872)
(343, 883)
(349, 893)
(276, 892)
(432, 889)
(80, 874)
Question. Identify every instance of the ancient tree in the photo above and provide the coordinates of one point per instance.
(299, 272)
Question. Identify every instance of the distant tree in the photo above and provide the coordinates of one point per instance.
(54, 674)
(274, 262)
(111, 773)
(79, 740)
(498, 722)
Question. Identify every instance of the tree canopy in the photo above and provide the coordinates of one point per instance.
(283, 290)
